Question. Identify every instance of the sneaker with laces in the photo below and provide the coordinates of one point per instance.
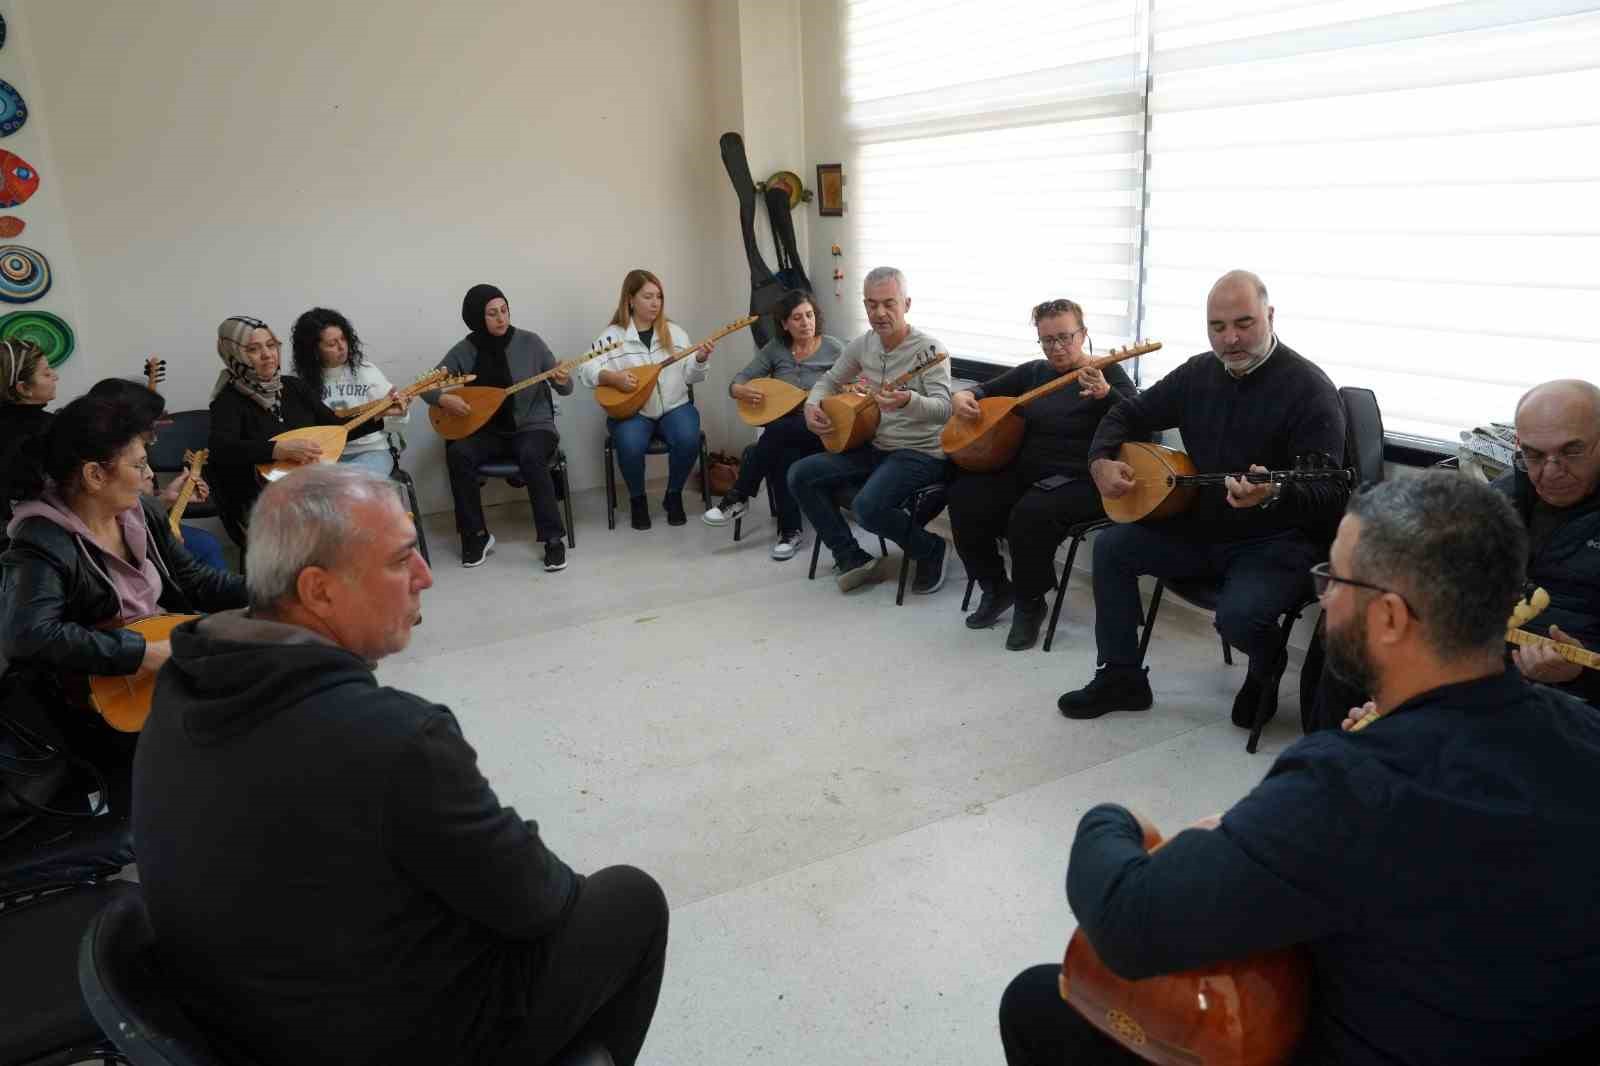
(856, 570)
(788, 545)
(1114, 688)
(475, 548)
(727, 509)
(930, 572)
(555, 555)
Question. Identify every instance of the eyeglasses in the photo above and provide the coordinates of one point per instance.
(1525, 458)
(1060, 340)
(142, 466)
(1323, 577)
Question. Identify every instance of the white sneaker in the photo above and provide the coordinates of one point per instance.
(787, 545)
(725, 512)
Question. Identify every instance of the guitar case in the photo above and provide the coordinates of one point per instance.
(790, 272)
(766, 289)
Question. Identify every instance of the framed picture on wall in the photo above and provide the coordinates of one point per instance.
(830, 189)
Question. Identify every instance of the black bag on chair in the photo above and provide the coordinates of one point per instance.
(40, 780)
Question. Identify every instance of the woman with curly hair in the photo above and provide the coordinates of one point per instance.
(328, 357)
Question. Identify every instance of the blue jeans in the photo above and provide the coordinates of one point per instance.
(204, 547)
(679, 427)
(886, 480)
(379, 461)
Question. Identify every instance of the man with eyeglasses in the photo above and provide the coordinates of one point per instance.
(1434, 865)
(1251, 403)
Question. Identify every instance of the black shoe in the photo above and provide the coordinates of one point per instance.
(857, 569)
(641, 512)
(1114, 688)
(930, 572)
(1248, 702)
(475, 548)
(672, 503)
(998, 596)
(555, 555)
(1026, 621)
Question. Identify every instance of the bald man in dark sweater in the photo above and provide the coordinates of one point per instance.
(1249, 403)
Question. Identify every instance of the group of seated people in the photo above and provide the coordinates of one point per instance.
(1430, 864)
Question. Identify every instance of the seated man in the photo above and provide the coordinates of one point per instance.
(1430, 864)
(1250, 403)
(904, 454)
(329, 877)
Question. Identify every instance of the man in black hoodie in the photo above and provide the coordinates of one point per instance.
(329, 877)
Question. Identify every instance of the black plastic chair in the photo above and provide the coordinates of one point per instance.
(182, 431)
(657, 446)
(772, 504)
(1075, 537)
(512, 474)
(398, 473)
(924, 504)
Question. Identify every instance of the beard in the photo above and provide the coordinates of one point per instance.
(1347, 657)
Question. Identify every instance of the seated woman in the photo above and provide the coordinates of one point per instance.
(648, 337)
(27, 384)
(89, 553)
(1047, 489)
(251, 404)
(523, 428)
(328, 357)
(798, 356)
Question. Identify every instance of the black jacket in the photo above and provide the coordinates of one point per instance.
(1059, 426)
(52, 597)
(1437, 865)
(1567, 566)
(1283, 409)
(19, 423)
(241, 438)
(326, 869)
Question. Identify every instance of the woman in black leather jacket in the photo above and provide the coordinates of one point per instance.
(88, 553)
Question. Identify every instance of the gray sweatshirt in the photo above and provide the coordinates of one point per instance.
(776, 360)
(526, 356)
(916, 425)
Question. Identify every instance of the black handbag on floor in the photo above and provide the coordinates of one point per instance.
(39, 779)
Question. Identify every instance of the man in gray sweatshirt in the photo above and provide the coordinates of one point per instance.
(903, 455)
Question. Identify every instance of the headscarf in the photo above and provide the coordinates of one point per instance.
(232, 336)
(473, 306)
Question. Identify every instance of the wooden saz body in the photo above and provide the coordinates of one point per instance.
(855, 419)
(988, 442)
(619, 404)
(778, 398)
(1249, 1012)
(331, 439)
(124, 702)
(1155, 494)
(484, 400)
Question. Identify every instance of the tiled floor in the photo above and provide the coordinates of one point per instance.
(860, 813)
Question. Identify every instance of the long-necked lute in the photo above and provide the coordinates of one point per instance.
(991, 440)
(124, 701)
(485, 400)
(778, 398)
(620, 405)
(334, 438)
(1165, 481)
(855, 415)
(196, 462)
(1247, 1012)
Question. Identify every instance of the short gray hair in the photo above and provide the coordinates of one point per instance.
(879, 275)
(306, 519)
(1244, 277)
(1453, 547)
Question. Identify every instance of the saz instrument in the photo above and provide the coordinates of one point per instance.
(1165, 481)
(333, 438)
(856, 415)
(778, 398)
(124, 702)
(1523, 613)
(485, 400)
(197, 462)
(620, 405)
(1249, 1012)
(991, 440)
(155, 372)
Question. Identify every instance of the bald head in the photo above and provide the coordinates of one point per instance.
(1558, 426)
(1240, 280)
(1239, 321)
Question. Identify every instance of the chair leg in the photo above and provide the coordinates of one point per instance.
(705, 474)
(416, 517)
(1227, 652)
(905, 568)
(611, 485)
(1150, 620)
(965, 600)
(816, 550)
(1269, 689)
(566, 504)
(883, 548)
(1061, 592)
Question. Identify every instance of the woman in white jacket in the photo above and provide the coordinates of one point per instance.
(328, 357)
(648, 337)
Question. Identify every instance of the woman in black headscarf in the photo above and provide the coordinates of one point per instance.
(523, 429)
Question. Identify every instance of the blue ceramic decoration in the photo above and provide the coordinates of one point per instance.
(13, 111)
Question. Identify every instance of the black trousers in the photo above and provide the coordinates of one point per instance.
(1038, 1028)
(984, 507)
(599, 975)
(531, 449)
(1261, 579)
(781, 443)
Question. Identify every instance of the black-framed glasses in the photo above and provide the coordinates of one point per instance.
(1322, 577)
(1060, 340)
(1566, 458)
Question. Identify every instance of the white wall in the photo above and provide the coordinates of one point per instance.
(217, 157)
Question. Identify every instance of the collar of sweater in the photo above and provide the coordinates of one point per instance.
(1254, 365)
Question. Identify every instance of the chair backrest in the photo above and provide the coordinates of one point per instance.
(1363, 433)
(128, 997)
(188, 431)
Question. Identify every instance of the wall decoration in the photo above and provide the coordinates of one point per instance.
(13, 112)
(18, 180)
(11, 226)
(790, 183)
(2, 31)
(830, 189)
(24, 274)
(49, 332)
